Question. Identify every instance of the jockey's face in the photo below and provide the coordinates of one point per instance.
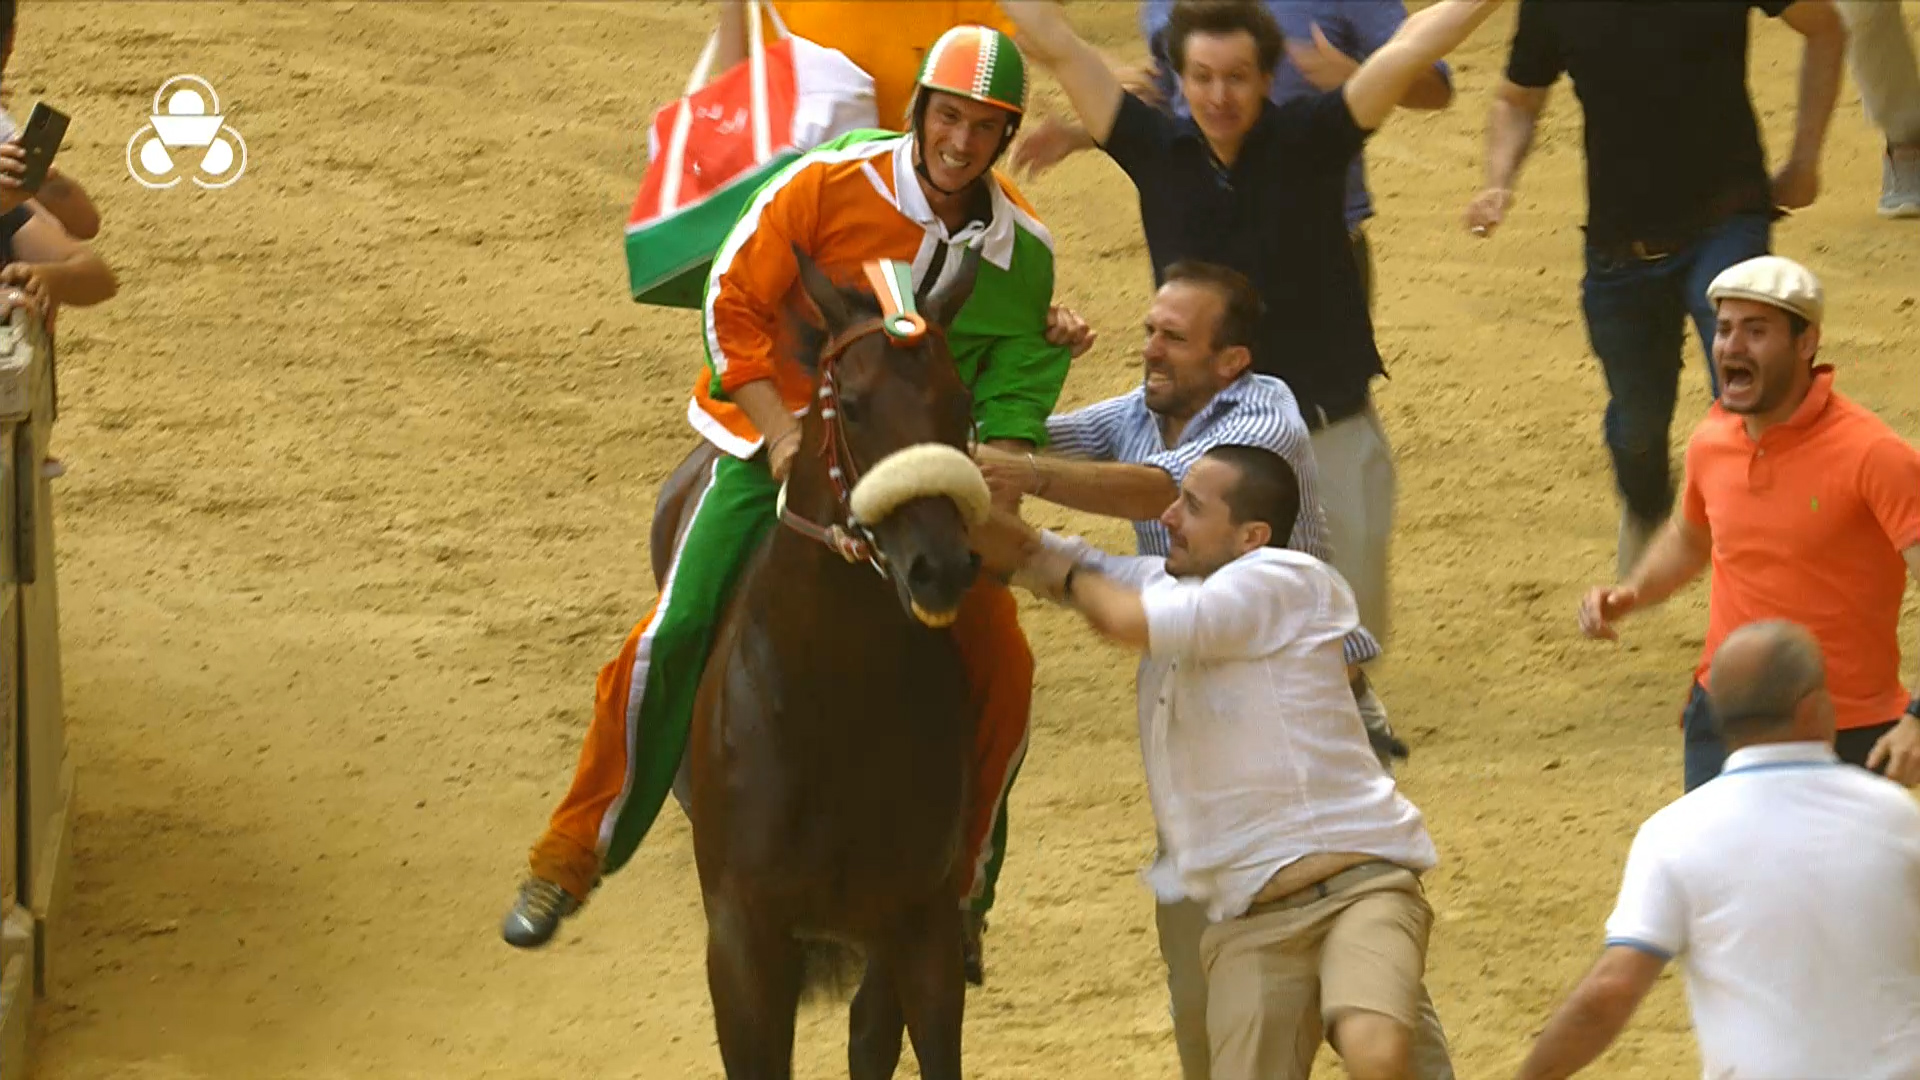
(960, 139)
(1200, 523)
(1224, 85)
(1184, 369)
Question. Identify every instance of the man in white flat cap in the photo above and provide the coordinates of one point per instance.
(1806, 505)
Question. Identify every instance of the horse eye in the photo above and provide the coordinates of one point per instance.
(852, 409)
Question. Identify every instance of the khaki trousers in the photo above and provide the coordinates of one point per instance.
(1357, 490)
(1880, 51)
(1272, 1021)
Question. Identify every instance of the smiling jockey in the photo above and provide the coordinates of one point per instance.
(919, 198)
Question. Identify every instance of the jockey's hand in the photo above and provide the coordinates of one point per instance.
(1066, 328)
(1602, 606)
(1047, 144)
(1899, 751)
(1008, 475)
(780, 453)
(1488, 210)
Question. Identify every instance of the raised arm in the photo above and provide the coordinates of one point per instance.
(1377, 88)
(1043, 34)
(1797, 183)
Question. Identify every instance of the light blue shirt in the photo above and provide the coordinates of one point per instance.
(1253, 410)
(1355, 27)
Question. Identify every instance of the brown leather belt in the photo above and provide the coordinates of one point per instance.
(1325, 887)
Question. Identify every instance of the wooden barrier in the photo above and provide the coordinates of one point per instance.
(35, 837)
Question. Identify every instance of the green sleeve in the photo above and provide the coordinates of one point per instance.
(1000, 346)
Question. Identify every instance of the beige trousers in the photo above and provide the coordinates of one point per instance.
(1356, 489)
(1880, 52)
(1290, 1028)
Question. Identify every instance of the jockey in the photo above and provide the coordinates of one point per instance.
(920, 198)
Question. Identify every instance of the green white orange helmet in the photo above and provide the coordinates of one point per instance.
(974, 62)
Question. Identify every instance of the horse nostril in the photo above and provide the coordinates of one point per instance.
(921, 574)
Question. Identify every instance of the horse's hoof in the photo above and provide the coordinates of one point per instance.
(970, 949)
(536, 914)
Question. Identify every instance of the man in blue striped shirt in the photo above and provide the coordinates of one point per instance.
(1198, 392)
(1125, 457)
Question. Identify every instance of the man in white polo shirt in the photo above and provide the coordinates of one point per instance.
(1272, 809)
(1790, 883)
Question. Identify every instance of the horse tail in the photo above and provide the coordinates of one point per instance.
(830, 971)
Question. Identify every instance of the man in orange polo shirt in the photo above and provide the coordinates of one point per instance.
(1806, 505)
(887, 39)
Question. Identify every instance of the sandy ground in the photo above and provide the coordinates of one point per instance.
(362, 462)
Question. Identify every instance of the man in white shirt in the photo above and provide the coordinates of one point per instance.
(1273, 811)
(1790, 883)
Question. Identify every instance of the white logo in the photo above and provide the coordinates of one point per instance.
(186, 119)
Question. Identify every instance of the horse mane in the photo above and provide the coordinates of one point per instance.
(808, 339)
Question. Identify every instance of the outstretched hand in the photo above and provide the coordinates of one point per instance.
(1603, 606)
(1899, 751)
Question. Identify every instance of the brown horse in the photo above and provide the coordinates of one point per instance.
(831, 758)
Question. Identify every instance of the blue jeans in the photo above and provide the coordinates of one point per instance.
(1706, 755)
(1636, 312)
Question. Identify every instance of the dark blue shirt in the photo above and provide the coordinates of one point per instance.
(1355, 27)
(1672, 145)
(1276, 215)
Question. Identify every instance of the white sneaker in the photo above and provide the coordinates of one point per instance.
(1900, 183)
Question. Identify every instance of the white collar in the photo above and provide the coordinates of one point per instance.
(1772, 755)
(994, 239)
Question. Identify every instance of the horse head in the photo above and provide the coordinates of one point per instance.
(884, 450)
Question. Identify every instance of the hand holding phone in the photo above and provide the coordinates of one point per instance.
(40, 139)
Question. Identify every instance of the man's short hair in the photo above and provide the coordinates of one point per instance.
(1267, 490)
(1242, 308)
(1190, 17)
(1763, 697)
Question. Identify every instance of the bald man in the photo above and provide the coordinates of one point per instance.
(1789, 885)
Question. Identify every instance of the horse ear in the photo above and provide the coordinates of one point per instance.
(950, 297)
(833, 306)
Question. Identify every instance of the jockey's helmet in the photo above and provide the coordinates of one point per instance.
(974, 62)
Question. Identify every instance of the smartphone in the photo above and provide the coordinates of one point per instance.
(46, 127)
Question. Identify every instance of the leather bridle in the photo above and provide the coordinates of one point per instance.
(849, 537)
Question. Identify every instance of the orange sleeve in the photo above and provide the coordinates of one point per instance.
(755, 271)
(1890, 486)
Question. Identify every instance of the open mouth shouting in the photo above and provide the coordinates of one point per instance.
(1739, 383)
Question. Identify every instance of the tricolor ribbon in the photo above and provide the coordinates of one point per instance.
(893, 284)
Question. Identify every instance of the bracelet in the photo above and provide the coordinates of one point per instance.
(1039, 484)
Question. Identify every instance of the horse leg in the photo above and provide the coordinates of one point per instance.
(753, 974)
(931, 982)
(877, 1024)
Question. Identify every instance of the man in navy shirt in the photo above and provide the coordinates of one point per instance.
(1262, 188)
(1677, 189)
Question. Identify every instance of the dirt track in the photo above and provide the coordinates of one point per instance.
(361, 466)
